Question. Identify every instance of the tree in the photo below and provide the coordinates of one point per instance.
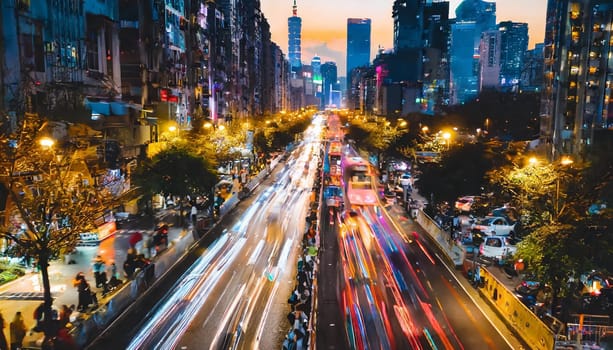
(177, 171)
(50, 203)
(550, 254)
(451, 177)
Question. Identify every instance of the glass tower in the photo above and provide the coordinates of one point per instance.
(513, 46)
(473, 17)
(358, 43)
(294, 26)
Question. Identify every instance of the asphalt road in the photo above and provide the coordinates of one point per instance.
(234, 289)
(440, 311)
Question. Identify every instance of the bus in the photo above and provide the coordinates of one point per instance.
(358, 181)
(334, 158)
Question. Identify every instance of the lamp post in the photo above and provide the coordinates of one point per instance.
(565, 161)
(447, 138)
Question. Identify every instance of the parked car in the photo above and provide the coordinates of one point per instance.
(495, 225)
(464, 203)
(477, 205)
(509, 213)
(497, 247)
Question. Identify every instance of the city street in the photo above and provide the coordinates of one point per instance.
(236, 289)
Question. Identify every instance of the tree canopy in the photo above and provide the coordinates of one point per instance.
(177, 171)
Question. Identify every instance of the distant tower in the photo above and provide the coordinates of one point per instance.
(358, 43)
(294, 25)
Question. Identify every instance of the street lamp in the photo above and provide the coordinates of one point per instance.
(565, 161)
(46, 142)
(447, 138)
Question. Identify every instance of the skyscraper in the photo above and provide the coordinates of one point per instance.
(408, 24)
(294, 26)
(358, 43)
(576, 106)
(473, 17)
(489, 59)
(317, 80)
(513, 46)
(329, 75)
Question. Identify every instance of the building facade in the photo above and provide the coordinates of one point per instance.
(329, 74)
(513, 47)
(358, 43)
(578, 64)
(489, 60)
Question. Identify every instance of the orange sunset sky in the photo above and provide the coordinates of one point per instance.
(324, 23)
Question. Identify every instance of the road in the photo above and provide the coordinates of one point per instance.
(393, 290)
(235, 291)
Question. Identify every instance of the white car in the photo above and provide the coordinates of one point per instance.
(497, 247)
(495, 225)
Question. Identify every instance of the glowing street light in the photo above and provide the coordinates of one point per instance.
(565, 161)
(46, 142)
(533, 161)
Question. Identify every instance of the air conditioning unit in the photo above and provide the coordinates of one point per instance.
(37, 178)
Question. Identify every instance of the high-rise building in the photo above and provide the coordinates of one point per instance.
(358, 43)
(473, 17)
(532, 73)
(489, 59)
(317, 79)
(330, 78)
(294, 26)
(408, 24)
(513, 46)
(576, 106)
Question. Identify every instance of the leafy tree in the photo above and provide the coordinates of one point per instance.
(380, 138)
(453, 176)
(177, 171)
(549, 252)
(53, 202)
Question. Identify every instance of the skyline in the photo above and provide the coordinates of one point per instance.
(329, 39)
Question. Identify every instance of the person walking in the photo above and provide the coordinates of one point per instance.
(17, 331)
(99, 269)
(86, 296)
(194, 214)
(3, 343)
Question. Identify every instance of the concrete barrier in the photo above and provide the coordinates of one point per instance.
(525, 323)
(453, 252)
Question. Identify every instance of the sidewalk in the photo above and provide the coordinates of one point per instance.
(26, 293)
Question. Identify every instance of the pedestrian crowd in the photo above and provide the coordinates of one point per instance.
(54, 326)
